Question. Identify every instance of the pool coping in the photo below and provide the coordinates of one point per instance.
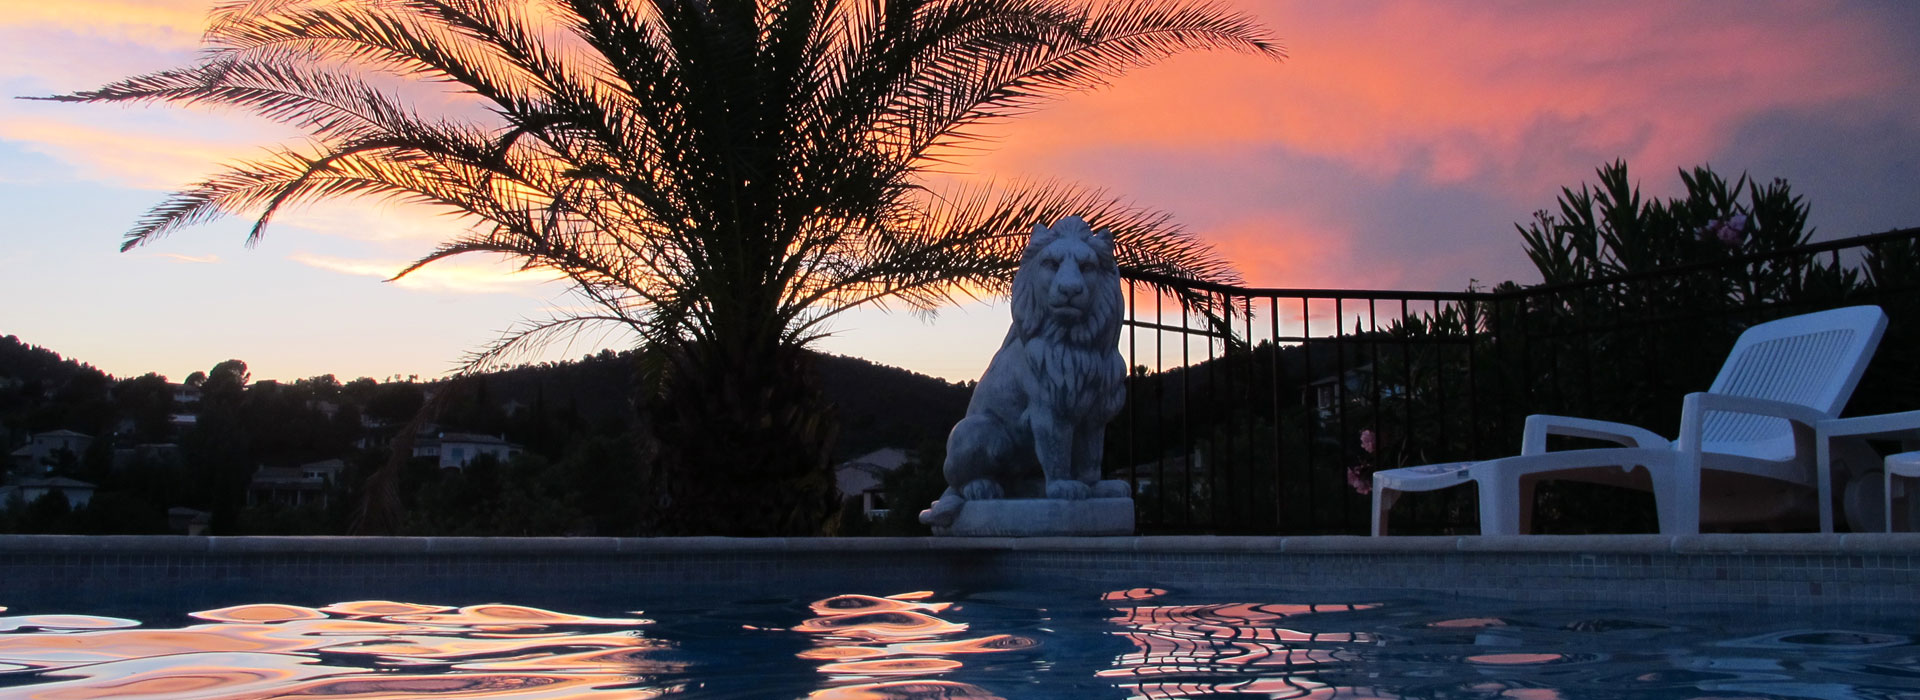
(1641, 570)
(1771, 543)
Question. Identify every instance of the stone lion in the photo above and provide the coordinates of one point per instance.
(1038, 418)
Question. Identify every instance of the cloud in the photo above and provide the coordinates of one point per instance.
(153, 154)
(1500, 92)
(1302, 248)
(455, 276)
(1401, 140)
(391, 225)
(172, 23)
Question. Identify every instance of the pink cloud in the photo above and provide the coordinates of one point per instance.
(149, 153)
(1305, 250)
(1458, 92)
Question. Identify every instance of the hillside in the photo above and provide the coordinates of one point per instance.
(878, 406)
(40, 391)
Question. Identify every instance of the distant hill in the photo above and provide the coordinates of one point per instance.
(40, 390)
(20, 362)
(882, 406)
(877, 405)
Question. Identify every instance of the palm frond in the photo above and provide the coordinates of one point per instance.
(967, 243)
(689, 164)
(999, 69)
(289, 177)
(530, 337)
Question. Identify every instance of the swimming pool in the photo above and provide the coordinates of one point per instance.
(1064, 642)
(1719, 616)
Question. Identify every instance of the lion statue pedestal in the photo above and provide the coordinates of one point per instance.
(1025, 461)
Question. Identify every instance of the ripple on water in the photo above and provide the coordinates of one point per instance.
(864, 640)
(1144, 642)
(348, 650)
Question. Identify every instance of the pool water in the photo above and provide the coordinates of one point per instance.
(1139, 643)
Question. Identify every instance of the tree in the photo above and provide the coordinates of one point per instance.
(394, 404)
(1642, 299)
(1609, 231)
(721, 177)
(225, 382)
(148, 401)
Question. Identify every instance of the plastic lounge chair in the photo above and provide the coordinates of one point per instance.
(1905, 465)
(1890, 426)
(1754, 426)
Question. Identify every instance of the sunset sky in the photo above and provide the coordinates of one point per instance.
(1394, 149)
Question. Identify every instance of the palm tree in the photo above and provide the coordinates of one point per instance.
(722, 177)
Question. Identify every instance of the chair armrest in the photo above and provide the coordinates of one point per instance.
(1701, 402)
(1886, 425)
(1695, 406)
(1541, 425)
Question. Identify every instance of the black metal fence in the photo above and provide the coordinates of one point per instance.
(1265, 411)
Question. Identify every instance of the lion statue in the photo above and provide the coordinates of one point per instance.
(1038, 418)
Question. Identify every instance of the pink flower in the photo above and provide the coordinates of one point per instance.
(1358, 479)
(1728, 231)
(1366, 441)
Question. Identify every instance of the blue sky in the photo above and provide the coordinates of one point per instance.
(1394, 149)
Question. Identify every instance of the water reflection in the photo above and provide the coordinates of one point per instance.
(1138, 642)
(366, 649)
(1448, 649)
(1239, 649)
(869, 648)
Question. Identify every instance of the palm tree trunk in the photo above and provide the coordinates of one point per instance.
(745, 436)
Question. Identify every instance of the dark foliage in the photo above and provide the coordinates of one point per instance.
(584, 470)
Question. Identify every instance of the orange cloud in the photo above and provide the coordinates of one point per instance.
(457, 276)
(170, 23)
(1304, 250)
(412, 228)
(1456, 92)
(152, 154)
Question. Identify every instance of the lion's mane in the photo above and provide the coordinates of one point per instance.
(1069, 358)
(1059, 372)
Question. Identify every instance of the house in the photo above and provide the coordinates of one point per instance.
(43, 449)
(1356, 386)
(326, 469)
(149, 453)
(865, 476)
(456, 450)
(186, 394)
(295, 486)
(77, 493)
(187, 521)
(427, 445)
(285, 486)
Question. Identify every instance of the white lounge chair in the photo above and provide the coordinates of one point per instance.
(1903, 427)
(1748, 440)
(1905, 465)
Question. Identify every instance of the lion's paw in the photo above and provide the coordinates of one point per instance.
(1068, 490)
(982, 490)
(943, 512)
